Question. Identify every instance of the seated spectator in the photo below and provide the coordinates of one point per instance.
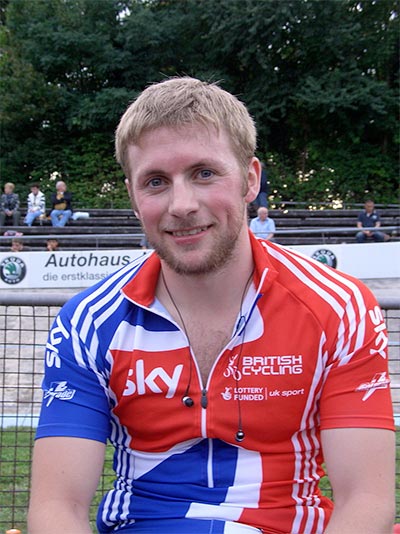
(12, 233)
(9, 206)
(17, 245)
(61, 205)
(36, 205)
(369, 218)
(52, 245)
(144, 243)
(262, 197)
(263, 226)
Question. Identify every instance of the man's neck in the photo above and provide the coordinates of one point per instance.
(212, 290)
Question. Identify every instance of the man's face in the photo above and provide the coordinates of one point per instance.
(190, 194)
(52, 244)
(16, 246)
(369, 207)
(35, 190)
(262, 214)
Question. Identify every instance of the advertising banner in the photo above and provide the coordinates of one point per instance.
(60, 269)
(80, 269)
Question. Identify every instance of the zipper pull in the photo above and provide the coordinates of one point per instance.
(204, 400)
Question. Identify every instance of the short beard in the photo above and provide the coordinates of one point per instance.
(213, 263)
(215, 260)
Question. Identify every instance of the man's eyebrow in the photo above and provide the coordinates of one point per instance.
(210, 162)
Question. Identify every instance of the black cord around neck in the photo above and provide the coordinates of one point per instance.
(186, 399)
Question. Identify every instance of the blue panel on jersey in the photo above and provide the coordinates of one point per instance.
(174, 526)
(169, 488)
(224, 463)
(153, 322)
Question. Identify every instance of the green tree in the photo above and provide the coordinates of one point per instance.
(320, 78)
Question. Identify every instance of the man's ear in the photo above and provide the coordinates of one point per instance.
(253, 180)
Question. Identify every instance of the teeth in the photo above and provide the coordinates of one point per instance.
(183, 233)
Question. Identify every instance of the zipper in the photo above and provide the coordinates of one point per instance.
(204, 400)
(210, 470)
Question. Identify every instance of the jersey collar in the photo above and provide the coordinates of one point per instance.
(142, 287)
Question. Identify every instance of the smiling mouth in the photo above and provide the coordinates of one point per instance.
(185, 233)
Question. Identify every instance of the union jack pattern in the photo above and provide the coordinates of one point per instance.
(310, 336)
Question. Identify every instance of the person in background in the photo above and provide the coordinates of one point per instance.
(17, 245)
(36, 205)
(368, 220)
(61, 202)
(262, 225)
(9, 206)
(226, 371)
(144, 244)
(262, 197)
(52, 245)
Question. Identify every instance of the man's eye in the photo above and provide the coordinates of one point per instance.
(205, 173)
(155, 182)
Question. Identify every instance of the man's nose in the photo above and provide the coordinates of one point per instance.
(183, 199)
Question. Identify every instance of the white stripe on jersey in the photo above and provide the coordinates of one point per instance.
(305, 464)
(122, 277)
(239, 528)
(88, 306)
(355, 326)
(199, 510)
(129, 337)
(248, 465)
(248, 475)
(146, 461)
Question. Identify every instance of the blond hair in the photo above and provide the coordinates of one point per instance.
(185, 101)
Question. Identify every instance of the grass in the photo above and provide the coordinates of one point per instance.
(16, 447)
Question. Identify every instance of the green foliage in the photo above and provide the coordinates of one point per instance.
(16, 455)
(320, 78)
(93, 175)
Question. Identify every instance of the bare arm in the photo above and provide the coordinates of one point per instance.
(361, 468)
(65, 474)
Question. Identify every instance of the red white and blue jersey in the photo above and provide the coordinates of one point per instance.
(308, 353)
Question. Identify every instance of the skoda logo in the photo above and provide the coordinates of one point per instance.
(12, 270)
(325, 256)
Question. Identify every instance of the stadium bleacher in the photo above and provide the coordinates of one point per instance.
(120, 228)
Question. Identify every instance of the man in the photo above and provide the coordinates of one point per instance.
(219, 366)
(262, 225)
(52, 245)
(369, 218)
(9, 206)
(262, 197)
(36, 205)
(61, 205)
(17, 245)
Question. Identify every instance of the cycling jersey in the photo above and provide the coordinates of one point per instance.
(308, 353)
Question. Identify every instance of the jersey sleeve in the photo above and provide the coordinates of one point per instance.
(75, 401)
(356, 392)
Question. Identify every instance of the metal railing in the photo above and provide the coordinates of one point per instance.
(322, 235)
(25, 320)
